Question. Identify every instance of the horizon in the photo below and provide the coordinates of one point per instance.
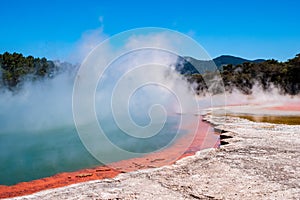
(56, 30)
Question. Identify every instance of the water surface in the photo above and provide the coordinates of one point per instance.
(26, 156)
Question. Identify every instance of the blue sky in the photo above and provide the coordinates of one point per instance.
(250, 29)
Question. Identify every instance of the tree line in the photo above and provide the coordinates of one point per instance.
(283, 75)
(15, 68)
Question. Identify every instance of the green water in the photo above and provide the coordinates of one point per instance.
(26, 156)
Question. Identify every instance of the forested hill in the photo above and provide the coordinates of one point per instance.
(283, 75)
(233, 60)
(16, 67)
(236, 72)
(188, 65)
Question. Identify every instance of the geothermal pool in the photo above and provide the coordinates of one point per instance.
(25, 156)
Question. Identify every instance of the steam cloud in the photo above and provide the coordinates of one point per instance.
(43, 109)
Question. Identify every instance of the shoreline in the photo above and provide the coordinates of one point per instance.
(152, 160)
(260, 161)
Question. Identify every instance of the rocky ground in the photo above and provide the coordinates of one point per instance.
(260, 161)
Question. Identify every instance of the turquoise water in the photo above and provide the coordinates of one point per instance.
(26, 156)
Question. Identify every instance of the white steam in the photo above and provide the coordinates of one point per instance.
(88, 41)
(47, 104)
(40, 105)
(272, 97)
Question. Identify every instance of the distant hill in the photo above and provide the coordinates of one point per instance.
(242, 74)
(226, 59)
(189, 65)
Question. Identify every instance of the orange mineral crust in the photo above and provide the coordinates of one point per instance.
(295, 106)
(203, 138)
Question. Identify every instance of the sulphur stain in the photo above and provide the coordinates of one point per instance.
(290, 120)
